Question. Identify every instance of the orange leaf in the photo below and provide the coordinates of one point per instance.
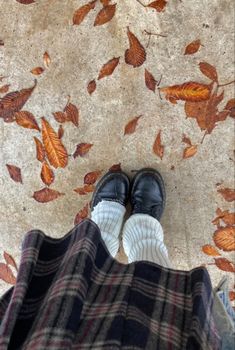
(13, 102)
(231, 295)
(60, 132)
(105, 2)
(224, 264)
(131, 126)
(91, 86)
(224, 238)
(81, 215)
(14, 172)
(82, 12)
(158, 5)
(158, 148)
(46, 59)
(136, 54)
(189, 151)
(55, 150)
(105, 15)
(60, 117)
(82, 149)
(85, 189)
(37, 70)
(193, 47)
(4, 89)
(115, 167)
(227, 193)
(209, 71)
(46, 195)
(191, 91)
(90, 178)
(10, 260)
(72, 113)
(26, 120)
(47, 174)
(230, 106)
(228, 218)
(108, 67)
(6, 274)
(150, 81)
(39, 149)
(210, 250)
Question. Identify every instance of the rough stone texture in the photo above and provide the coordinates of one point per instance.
(77, 54)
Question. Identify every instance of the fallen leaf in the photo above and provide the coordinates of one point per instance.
(224, 264)
(4, 89)
(72, 113)
(193, 47)
(91, 87)
(1, 42)
(6, 274)
(82, 12)
(37, 70)
(60, 117)
(40, 151)
(47, 174)
(232, 295)
(150, 81)
(108, 67)
(85, 189)
(210, 250)
(82, 149)
(46, 59)
(13, 102)
(26, 120)
(136, 54)
(60, 132)
(46, 195)
(186, 140)
(105, 15)
(189, 151)
(90, 178)
(158, 5)
(227, 217)
(26, 2)
(105, 2)
(131, 126)
(190, 91)
(158, 148)
(209, 71)
(224, 238)
(10, 260)
(55, 150)
(227, 193)
(115, 167)
(81, 215)
(230, 106)
(14, 172)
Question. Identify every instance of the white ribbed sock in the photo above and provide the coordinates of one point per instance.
(143, 240)
(109, 216)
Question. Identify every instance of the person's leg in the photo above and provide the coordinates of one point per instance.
(143, 233)
(108, 207)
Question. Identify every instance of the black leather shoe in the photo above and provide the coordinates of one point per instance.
(148, 193)
(114, 186)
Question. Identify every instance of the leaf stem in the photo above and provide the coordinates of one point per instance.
(149, 33)
(141, 3)
(231, 82)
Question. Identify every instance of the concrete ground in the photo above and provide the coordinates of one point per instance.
(77, 53)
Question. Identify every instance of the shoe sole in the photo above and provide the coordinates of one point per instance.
(104, 179)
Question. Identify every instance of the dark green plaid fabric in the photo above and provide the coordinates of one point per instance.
(71, 294)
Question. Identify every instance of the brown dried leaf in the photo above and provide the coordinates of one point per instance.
(108, 67)
(227, 193)
(6, 274)
(90, 178)
(15, 173)
(47, 174)
(55, 150)
(60, 117)
(230, 106)
(26, 2)
(227, 217)
(224, 238)
(224, 264)
(4, 89)
(105, 2)
(39, 149)
(131, 126)
(186, 140)
(72, 113)
(232, 295)
(37, 70)
(191, 91)
(189, 151)
(81, 215)
(60, 132)
(158, 5)
(210, 250)
(82, 12)
(82, 149)
(115, 167)
(91, 86)
(136, 54)
(193, 47)
(10, 260)
(209, 71)
(46, 195)
(26, 120)
(46, 59)
(1, 44)
(105, 15)
(85, 189)
(158, 148)
(150, 81)
(13, 102)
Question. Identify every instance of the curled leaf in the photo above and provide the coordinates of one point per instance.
(158, 5)
(108, 67)
(227, 193)
(91, 87)
(14, 172)
(82, 149)
(82, 12)
(136, 54)
(158, 148)
(224, 238)
(37, 70)
(131, 126)
(193, 47)
(60, 117)
(72, 113)
(10, 260)
(105, 15)
(26, 120)
(189, 151)
(115, 167)
(40, 151)
(46, 195)
(90, 178)
(227, 217)
(186, 140)
(150, 81)
(47, 174)
(224, 264)
(46, 59)
(81, 215)
(230, 106)
(85, 189)
(191, 91)
(210, 250)
(209, 71)
(6, 274)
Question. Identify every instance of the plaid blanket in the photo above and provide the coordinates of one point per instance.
(71, 294)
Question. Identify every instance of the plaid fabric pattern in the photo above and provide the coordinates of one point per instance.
(71, 294)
